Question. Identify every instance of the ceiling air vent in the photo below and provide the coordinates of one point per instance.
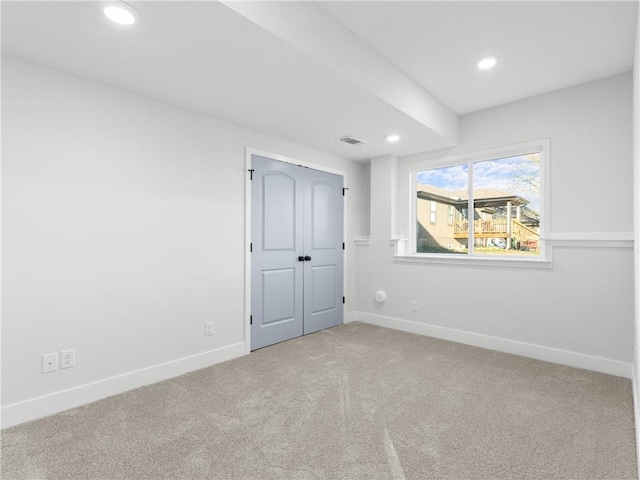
(351, 141)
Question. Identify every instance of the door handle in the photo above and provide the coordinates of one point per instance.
(301, 258)
(307, 258)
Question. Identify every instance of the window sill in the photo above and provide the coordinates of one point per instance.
(463, 260)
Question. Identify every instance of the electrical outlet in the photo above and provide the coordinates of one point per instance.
(49, 362)
(208, 328)
(414, 305)
(68, 358)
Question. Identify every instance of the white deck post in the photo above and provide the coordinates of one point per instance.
(509, 225)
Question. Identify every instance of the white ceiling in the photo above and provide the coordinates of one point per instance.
(301, 75)
(541, 45)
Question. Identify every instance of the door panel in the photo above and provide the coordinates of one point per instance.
(323, 283)
(323, 229)
(296, 212)
(278, 299)
(278, 211)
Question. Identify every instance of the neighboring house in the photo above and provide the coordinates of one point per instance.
(500, 219)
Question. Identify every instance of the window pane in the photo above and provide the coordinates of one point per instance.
(442, 194)
(434, 210)
(506, 195)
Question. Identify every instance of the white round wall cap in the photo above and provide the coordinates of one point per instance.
(380, 296)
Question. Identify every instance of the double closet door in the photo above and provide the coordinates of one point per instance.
(297, 251)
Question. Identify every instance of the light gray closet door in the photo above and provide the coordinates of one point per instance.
(297, 256)
(277, 242)
(323, 237)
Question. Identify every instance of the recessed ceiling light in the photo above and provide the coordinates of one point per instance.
(393, 138)
(121, 13)
(487, 63)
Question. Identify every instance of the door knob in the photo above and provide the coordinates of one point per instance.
(301, 258)
(307, 258)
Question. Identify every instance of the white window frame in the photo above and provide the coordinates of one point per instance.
(542, 146)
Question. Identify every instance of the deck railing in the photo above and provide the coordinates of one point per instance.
(497, 228)
(521, 232)
(481, 226)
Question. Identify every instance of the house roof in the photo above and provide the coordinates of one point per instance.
(487, 197)
(445, 195)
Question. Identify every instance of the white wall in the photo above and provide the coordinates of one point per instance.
(123, 224)
(636, 216)
(580, 312)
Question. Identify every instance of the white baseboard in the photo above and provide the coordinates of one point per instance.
(539, 352)
(38, 407)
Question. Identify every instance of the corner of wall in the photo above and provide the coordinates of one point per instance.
(636, 203)
(636, 407)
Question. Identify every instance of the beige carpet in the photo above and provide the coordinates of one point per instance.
(355, 401)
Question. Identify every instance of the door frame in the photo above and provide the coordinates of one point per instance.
(249, 151)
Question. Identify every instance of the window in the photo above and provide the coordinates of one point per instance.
(494, 203)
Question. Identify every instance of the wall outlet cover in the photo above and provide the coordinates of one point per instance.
(68, 358)
(49, 362)
(208, 328)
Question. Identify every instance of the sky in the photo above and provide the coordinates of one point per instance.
(513, 175)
